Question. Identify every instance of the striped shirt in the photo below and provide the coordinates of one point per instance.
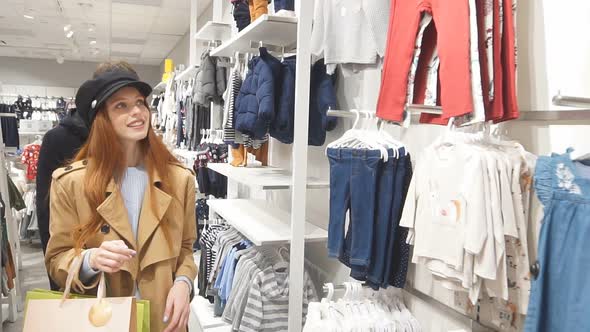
(267, 309)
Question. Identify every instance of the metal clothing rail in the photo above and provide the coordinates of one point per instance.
(581, 117)
(7, 115)
(571, 101)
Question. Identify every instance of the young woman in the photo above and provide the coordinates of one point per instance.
(125, 206)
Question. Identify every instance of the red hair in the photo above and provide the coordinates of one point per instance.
(104, 152)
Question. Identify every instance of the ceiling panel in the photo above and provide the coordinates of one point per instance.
(142, 31)
(129, 48)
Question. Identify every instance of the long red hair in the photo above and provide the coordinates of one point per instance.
(104, 154)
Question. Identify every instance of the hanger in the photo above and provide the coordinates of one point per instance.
(359, 139)
(330, 294)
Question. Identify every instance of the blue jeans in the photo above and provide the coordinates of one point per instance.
(398, 251)
(383, 207)
(284, 4)
(353, 179)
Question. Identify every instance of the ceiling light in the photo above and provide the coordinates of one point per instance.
(70, 34)
(93, 42)
(67, 28)
(60, 59)
(29, 17)
(94, 51)
(91, 29)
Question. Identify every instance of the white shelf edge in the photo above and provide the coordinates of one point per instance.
(200, 307)
(185, 72)
(257, 220)
(252, 26)
(212, 25)
(237, 174)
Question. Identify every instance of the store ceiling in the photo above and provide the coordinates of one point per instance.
(138, 31)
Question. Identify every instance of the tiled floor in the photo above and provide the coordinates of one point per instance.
(32, 275)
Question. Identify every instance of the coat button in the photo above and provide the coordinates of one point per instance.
(105, 229)
(68, 168)
(535, 269)
(85, 162)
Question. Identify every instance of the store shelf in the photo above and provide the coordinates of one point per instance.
(266, 178)
(214, 31)
(202, 312)
(186, 74)
(560, 115)
(269, 29)
(262, 223)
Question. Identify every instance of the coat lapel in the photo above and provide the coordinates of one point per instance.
(151, 216)
(114, 212)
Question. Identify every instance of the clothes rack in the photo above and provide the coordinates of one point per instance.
(14, 299)
(570, 101)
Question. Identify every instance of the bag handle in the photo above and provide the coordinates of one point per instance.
(73, 271)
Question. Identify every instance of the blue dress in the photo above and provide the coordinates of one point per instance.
(560, 292)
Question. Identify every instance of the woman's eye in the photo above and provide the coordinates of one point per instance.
(140, 103)
(121, 106)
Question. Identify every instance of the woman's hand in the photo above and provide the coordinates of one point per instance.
(110, 256)
(177, 307)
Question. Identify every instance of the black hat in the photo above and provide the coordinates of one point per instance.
(93, 93)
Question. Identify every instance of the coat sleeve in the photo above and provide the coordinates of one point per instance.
(60, 249)
(49, 161)
(186, 264)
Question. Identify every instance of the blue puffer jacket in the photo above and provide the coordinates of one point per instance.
(282, 126)
(322, 97)
(255, 104)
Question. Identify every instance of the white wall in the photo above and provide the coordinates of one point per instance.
(44, 72)
(180, 52)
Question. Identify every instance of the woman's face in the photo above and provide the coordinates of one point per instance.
(129, 114)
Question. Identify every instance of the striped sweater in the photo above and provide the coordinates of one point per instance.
(267, 309)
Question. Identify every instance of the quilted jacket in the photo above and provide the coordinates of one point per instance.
(255, 105)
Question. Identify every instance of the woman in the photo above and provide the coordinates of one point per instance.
(125, 205)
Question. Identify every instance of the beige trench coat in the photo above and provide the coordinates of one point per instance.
(156, 264)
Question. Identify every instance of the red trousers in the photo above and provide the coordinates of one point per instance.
(451, 18)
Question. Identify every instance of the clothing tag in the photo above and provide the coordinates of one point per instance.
(504, 315)
(343, 11)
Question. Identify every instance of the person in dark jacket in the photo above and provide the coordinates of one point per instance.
(60, 145)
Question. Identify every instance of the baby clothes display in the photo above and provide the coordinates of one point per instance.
(371, 191)
(477, 70)
(249, 284)
(466, 213)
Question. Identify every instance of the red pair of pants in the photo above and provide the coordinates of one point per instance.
(451, 18)
(504, 106)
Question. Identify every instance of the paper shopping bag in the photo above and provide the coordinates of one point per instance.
(142, 306)
(81, 314)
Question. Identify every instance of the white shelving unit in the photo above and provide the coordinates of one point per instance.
(266, 178)
(261, 223)
(214, 31)
(269, 29)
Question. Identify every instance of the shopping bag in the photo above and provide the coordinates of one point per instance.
(143, 306)
(81, 314)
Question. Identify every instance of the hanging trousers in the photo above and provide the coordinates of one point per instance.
(257, 8)
(451, 18)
